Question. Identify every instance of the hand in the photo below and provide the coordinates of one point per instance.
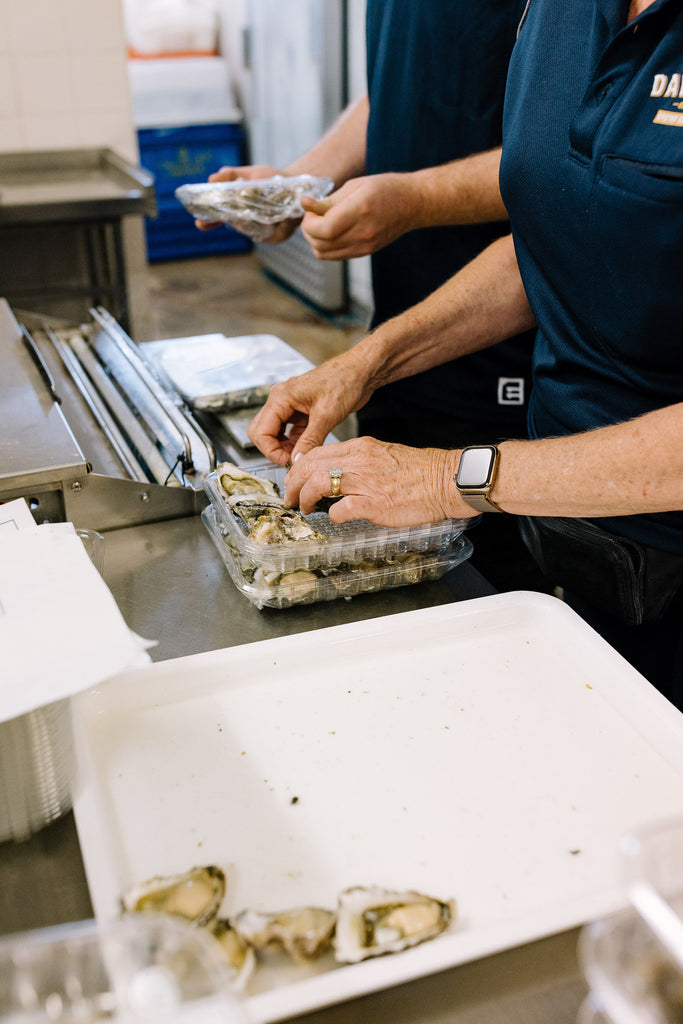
(253, 172)
(388, 484)
(301, 411)
(364, 215)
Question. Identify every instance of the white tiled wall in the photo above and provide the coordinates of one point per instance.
(63, 80)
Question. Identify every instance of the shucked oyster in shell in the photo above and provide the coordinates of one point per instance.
(257, 502)
(305, 933)
(269, 520)
(371, 922)
(234, 480)
(237, 951)
(194, 895)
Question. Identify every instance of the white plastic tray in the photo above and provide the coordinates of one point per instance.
(493, 751)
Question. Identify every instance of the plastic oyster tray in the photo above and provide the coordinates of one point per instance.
(265, 201)
(349, 544)
(273, 589)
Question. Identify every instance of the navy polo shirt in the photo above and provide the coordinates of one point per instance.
(436, 83)
(592, 176)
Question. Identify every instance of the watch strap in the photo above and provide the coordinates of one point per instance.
(480, 501)
(477, 494)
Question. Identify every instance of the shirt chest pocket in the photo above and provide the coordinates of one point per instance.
(636, 235)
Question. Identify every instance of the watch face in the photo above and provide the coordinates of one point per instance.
(475, 467)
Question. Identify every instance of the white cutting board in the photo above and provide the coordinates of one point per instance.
(492, 751)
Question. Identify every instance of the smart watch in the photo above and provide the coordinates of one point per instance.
(475, 476)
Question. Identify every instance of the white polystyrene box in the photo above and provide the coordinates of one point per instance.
(182, 91)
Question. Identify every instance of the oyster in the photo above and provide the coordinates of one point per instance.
(194, 895)
(374, 921)
(234, 480)
(305, 933)
(301, 581)
(269, 520)
(236, 950)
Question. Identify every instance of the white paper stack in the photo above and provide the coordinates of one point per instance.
(60, 632)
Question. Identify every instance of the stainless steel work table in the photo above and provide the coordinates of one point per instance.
(172, 586)
(61, 223)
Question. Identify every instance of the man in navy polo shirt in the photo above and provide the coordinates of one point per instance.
(592, 175)
(410, 198)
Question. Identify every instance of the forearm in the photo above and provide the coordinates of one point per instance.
(619, 470)
(481, 305)
(340, 153)
(461, 192)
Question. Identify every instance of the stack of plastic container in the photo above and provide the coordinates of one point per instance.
(633, 961)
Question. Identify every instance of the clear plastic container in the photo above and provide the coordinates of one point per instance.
(272, 589)
(136, 968)
(633, 979)
(634, 976)
(36, 753)
(351, 543)
(264, 201)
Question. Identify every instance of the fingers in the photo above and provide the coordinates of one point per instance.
(287, 427)
(318, 206)
(207, 225)
(268, 432)
(250, 172)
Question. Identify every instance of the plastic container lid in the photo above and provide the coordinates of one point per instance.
(347, 543)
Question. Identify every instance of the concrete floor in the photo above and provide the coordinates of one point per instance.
(232, 295)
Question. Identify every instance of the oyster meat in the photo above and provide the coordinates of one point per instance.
(194, 895)
(234, 480)
(257, 502)
(371, 922)
(304, 933)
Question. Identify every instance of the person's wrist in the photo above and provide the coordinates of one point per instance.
(412, 201)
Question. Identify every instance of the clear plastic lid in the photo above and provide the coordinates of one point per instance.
(138, 968)
(329, 543)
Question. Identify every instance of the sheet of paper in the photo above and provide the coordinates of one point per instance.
(60, 628)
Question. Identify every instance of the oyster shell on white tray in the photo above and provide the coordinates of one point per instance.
(194, 895)
(237, 951)
(374, 921)
(304, 933)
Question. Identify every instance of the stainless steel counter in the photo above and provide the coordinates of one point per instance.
(171, 586)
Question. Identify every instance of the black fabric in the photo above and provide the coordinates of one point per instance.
(630, 594)
(436, 83)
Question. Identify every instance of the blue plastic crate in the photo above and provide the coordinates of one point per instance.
(185, 155)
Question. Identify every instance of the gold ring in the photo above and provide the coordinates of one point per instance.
(335, 477)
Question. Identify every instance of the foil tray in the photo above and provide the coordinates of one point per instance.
(214, 373)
